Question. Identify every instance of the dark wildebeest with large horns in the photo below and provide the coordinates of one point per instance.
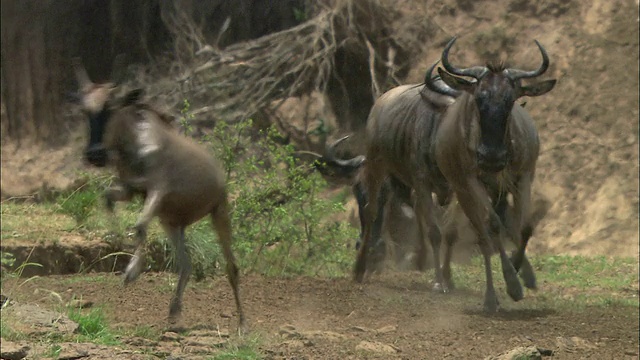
(397, 219)
(480, 142)
(181, 181)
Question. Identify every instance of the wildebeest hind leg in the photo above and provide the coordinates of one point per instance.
(222, 225)
(183, 262)
(425, 215)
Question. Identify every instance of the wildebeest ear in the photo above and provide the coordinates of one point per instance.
(456, 82)
(538, 88)
(132, 97)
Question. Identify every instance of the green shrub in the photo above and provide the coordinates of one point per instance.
(279, 218)
(92, 325)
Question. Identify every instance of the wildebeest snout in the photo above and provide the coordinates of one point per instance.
(492, 159)
(96, 155)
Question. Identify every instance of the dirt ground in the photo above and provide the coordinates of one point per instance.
(393, 316)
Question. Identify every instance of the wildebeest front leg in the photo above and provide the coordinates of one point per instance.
(521, 230)
(475, 204)
(148, 212)
(373, 183)
(176, 234)
(113, 194)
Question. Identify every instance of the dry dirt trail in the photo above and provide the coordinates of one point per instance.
(393, 316)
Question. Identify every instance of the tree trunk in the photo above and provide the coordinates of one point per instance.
(30, 80)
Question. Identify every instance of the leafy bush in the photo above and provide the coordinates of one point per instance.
(279, 217)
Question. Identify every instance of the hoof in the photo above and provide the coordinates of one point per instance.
(243, 328)
(175, 309)
(491, 307)
(530, 283)
(133, 270)
(359, 270)
(515, 292)
(441, 288)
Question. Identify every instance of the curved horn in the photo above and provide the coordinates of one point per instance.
(516, 74)
(81, 73)
(435, 83)
(331, 148)
(475, 72)
(309, 153)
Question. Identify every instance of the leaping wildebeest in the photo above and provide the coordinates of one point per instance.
(181, 181)
(480, 141)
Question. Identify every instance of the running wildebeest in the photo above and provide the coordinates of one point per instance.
(399, 220)
(481, 139)
(180, 180)
(485, 138)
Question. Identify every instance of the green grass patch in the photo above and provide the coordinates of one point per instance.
(563, 281)
(92, 326)
(246, 348)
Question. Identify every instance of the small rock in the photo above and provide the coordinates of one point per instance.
(213, 333)
(296, 344)
(519, 353)
(140, 341)
(325, 335)
(573, 344)
(387, 329)
(196, 349)
(12, 351)
(80, 304)
(209, 341)
(170, 336)
(289, 332)
(377, 347)
(72, 354)
(225, 315)
(359, 329)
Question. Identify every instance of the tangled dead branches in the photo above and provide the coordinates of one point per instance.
(245, 78)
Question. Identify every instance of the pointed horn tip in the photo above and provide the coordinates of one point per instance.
(300, 152)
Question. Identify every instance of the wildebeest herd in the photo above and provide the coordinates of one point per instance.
(459, 136)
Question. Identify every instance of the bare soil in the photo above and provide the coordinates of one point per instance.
(393, 316)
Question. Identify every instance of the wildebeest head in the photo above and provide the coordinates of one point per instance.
(98, 103)
(337, 170)
(495, 91)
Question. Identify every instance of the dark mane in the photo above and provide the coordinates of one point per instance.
(165, 117)
(496, 66)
